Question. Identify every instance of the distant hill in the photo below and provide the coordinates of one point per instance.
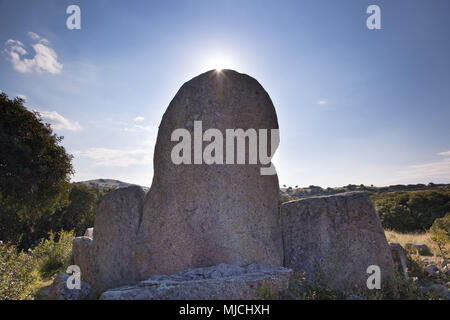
(108, 183)
(310, 191)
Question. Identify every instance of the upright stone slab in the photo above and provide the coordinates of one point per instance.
(198, 215)
(108, 260)
(334, 239)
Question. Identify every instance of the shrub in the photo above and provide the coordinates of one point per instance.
(411, 211)
(17, 273)
(54, 256)
(440, 233)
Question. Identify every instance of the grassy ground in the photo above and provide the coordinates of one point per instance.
(419, 237)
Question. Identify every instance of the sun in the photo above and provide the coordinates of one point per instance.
(219, 62)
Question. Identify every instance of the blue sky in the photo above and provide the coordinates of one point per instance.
(354, 105)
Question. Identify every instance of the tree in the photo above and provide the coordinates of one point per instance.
(34, 167)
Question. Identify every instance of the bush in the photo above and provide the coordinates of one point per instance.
(17, 273)
(54, 256)
(440, 233)
(411, 211)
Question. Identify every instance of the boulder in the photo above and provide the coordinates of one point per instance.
(221, 282)
(108, 260)
(198, 215)
(420, 248)
(60, 291)
(399, 256)
(334, 239)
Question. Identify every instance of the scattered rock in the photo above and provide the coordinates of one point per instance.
(221, 282)
(420, 248)
(432, 270)
(89, 233)
(334, 239)
(399, 256)
(60, 291)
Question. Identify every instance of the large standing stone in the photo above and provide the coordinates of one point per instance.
(334, 239)
(108, 260)
(199, 215)
(222, 282)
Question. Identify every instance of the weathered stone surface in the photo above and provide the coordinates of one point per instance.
(89, 233)
(224, 281)
(108, 260)
(59, 290)
(399, 256)
(204, 215)
(334, 239)
(81, 257)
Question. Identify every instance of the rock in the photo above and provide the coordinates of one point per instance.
(89, 233)
(81, 257)
(202, 215)
(419, 248)
(446, 270)
(221, 282)
(399, 257)
(432, 270)
(108, 260)
(334, 239)
(60, 291)
(435, 290)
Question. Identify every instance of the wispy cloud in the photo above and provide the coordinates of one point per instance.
(139, 119)
(138, 127)
(58, 122)
(321, 102)
(431, 171)
(44, 60)
(118, 157)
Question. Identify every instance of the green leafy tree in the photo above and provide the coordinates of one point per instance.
(34, 170)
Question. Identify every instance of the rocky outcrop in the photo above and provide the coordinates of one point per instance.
(195, 215)
(334, 239)
(224, 281)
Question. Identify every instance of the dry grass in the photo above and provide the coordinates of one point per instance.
(419, 237)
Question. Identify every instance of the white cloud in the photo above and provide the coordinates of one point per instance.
(139, 119)
(428, 171)
(45, 58)
(446, 153)
(58, 122)
(118, 157)
(321, 102)
(22, 96)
